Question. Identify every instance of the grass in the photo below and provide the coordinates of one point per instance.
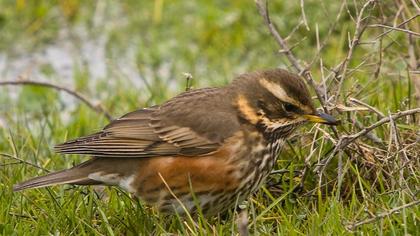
(132, 54)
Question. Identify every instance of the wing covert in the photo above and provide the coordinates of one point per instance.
(170, 129)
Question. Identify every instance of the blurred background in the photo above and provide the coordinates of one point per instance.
(141, 47)
(101, 48)
(124, 55)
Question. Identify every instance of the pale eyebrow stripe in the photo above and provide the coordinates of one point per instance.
(247, 110)
(278, 92)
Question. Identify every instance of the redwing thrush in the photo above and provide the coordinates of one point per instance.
(214, 145)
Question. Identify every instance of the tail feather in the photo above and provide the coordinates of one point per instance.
(75, 175)
(80, 174)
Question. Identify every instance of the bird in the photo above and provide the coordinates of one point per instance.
(205, 150)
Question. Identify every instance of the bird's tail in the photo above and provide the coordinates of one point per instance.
(76, 175)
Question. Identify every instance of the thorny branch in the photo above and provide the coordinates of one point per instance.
(263, 10)
(344, 141)
(262, 6)
(353, 43)
(380, 114)
(398, 26)
(322, 44)
(97, 108)
(339, 73)
(396, 29)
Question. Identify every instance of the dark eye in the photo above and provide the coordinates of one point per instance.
(290, 107)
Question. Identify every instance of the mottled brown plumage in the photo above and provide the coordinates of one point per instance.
(219, 143)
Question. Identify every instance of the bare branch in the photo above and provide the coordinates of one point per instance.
(396, 28)
(263, 10)
(384, 120)
(380, 114)
(399, 25)
(302, 7)
(373, 137)
(352, 45)
(344, 141)
(327, 37)
(97, 108)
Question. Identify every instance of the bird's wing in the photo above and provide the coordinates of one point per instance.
(193, 123)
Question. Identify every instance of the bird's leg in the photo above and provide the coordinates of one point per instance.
(242, 221)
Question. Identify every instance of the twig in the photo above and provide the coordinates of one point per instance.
(302, 7)
(344, 141)
(293, 31)
(339, 174)
(396, 29)
(404, 158)
(307, 163)
(321, 64)
(353, 43)
(263, 10)
(354, 225)
(384, 120)
(370, 136)
(97, 108)
(412, 65)
(380, 114)
(326, 38)
(399, 25)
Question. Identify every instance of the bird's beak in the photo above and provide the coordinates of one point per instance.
(322, 118)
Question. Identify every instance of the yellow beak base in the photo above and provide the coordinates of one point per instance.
(322, 118)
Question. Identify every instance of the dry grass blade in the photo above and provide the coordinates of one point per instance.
(353, 226)
(23, 161)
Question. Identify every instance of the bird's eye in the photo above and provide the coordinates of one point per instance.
(290, 107)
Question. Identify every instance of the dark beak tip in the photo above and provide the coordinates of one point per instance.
(328, 119)
(335, 123)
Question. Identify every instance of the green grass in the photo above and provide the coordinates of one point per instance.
(214, 41)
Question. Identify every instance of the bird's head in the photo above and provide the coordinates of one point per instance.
(276, 99)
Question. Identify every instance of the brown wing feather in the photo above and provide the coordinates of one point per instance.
(178, 127)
